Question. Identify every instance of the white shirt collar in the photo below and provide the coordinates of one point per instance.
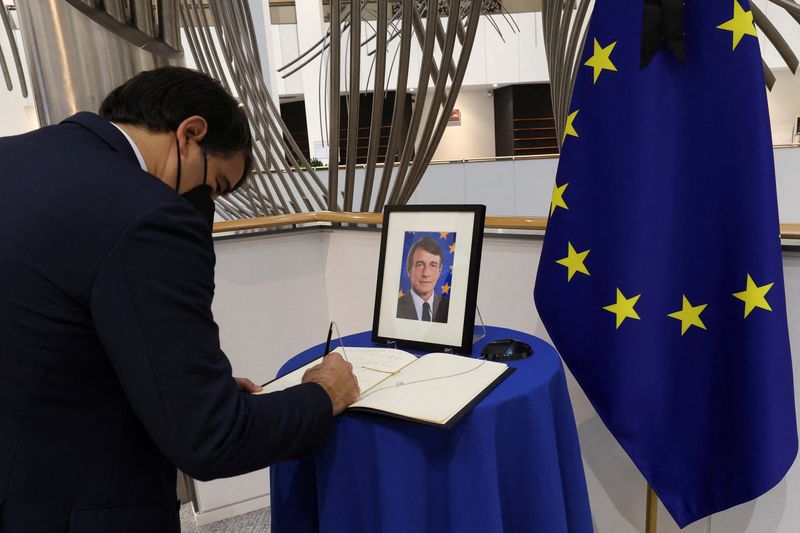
(135, 148)
(418, 303)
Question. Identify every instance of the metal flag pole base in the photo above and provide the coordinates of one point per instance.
(652, 511)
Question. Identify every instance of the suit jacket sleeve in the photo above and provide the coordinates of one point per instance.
(151, 304)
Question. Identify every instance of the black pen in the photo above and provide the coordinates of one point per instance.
(328, 342)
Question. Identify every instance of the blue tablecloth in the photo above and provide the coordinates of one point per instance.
(512, 464)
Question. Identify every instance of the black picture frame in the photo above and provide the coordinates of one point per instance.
(401, 224)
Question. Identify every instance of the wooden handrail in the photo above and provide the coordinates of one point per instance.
(788, 231)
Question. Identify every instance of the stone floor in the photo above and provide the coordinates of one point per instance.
(255, 522)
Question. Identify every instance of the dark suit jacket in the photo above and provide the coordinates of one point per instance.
(111, 372)
(406, 309)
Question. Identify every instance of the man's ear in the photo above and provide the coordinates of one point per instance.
(194, 129)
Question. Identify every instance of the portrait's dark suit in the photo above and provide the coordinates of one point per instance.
(406, 309)
(111, 372)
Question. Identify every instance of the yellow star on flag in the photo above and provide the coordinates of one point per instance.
(558, 198)
(453, 248)
(754, 296)
(740, 25)
(689, 315)
(445, 289)
(624, 308)
(601, 59)
(443, 234)
(570, 129)
(574, 262)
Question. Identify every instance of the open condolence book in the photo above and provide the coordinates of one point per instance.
(436, 388)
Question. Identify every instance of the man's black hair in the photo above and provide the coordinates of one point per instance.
(159, 100)
(428, 244)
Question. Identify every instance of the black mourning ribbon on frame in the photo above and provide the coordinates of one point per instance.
(662, 22)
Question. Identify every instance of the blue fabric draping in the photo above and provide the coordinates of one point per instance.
(511, 464)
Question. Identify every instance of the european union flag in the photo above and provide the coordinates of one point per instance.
(660, 279)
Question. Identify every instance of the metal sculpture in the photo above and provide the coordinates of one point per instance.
(419, 9)
(73, 63)
(6, 18)
(271, 192)
(408, 19)
(221, 38)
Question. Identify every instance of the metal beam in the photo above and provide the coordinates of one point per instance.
(335, 105)
(399, 103)
(355, 99)
(375, 128)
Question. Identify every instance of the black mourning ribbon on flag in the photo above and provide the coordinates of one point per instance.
(662, 22)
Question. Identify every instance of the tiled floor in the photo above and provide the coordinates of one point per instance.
(255, 522)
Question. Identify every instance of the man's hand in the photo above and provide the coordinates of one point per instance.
(335, 375)
(245, 385)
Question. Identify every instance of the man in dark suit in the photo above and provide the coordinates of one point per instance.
(111, 373)
(424, 266)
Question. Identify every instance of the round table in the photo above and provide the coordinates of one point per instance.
(512, 464)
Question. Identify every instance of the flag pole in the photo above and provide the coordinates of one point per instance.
(652, 511)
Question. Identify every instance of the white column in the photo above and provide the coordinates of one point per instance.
(310, 29)
(262, 23)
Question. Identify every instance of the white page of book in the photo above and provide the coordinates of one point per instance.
(370, 366)
(373, 365)
(435, 388)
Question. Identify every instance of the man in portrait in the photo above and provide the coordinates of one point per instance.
(424, 266)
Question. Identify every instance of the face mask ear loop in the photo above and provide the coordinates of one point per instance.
(178, 153)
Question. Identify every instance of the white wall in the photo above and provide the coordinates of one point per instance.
(473, 137)
(17, 113)
(784, 105)
(524, 187)
(786, 26)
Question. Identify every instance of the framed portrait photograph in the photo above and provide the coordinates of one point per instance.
(428, 276)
